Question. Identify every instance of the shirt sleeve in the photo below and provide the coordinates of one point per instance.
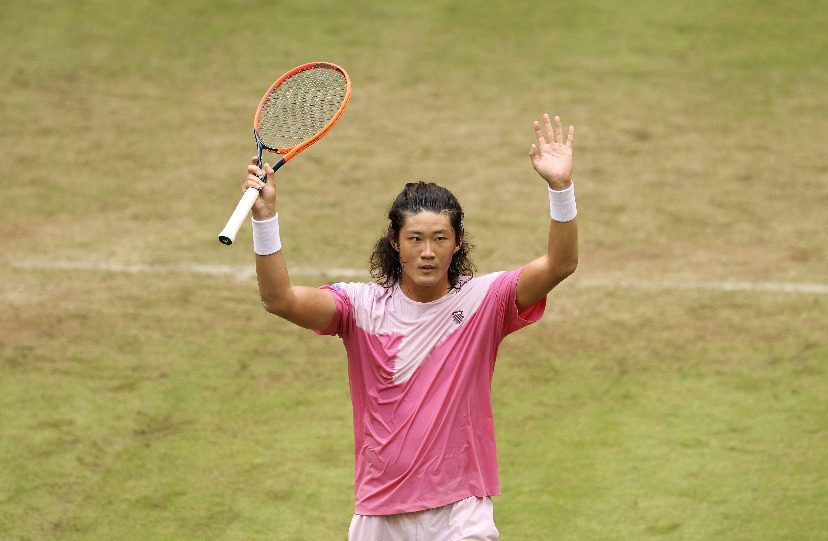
(341, 320)
(514, 318)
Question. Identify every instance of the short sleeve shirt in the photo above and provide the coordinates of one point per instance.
(420, 377)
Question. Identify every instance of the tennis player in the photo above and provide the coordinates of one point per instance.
(421, 344)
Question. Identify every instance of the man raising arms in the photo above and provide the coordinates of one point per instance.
(421, 344)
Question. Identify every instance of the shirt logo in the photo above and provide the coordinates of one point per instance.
(458, 316)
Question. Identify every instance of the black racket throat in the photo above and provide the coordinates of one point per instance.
(261, 147)
(275, 167)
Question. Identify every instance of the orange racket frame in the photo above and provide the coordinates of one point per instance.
(228, 234)
(290, 152)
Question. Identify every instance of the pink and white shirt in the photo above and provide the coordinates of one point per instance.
(420, 378)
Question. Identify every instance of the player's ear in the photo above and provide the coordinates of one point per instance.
(394, 244)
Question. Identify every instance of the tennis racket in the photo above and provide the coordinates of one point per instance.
(295, 112)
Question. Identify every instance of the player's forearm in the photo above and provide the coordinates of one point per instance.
(540, 276)
(562, 250)
(274, 283)
(271, 269)
(562, 246)
(307, 307)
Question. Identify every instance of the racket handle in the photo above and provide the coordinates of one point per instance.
(228, 234)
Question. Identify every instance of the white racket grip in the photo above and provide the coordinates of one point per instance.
(228, 234)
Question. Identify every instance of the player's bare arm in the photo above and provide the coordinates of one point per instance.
(551, 157)
(307, 307)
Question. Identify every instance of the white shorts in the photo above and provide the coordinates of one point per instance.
(471, 519)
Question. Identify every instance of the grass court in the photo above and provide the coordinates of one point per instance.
(676, 388)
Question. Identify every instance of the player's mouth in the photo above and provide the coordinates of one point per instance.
(427, 269)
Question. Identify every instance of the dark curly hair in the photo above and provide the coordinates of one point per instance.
(416, 197)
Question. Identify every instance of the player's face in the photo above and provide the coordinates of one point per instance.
(426, 244)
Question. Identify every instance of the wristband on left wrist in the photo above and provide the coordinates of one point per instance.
(562, 204)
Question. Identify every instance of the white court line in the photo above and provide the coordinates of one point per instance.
(240, 273)
(248, 272)
(726, 285)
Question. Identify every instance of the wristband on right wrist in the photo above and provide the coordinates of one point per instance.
(562, 204)
(266, 240)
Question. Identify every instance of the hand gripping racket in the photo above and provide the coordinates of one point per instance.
(295, 112)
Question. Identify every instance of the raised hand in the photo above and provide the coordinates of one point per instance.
(265, 205)
(551, 155)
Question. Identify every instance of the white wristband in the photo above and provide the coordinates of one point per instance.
(562, 204)
(266, 239)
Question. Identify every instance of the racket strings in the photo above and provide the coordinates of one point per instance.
(301, 107)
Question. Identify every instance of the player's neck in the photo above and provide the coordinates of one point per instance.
(423, 292)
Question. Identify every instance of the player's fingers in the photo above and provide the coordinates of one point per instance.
(253, 181)
(539, 134)
(269, 174)
(570, 137)
(558, 130)
(550, 133)
(248, 185)
(254, 160)
(533, 151)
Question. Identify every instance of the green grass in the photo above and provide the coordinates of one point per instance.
(170, 406)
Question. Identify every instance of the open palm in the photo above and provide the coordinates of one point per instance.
(551, 155)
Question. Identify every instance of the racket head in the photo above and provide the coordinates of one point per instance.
(301, 106)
